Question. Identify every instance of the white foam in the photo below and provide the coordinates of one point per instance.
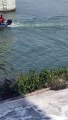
(15, 25)
(36, 25)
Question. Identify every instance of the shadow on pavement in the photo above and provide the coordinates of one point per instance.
(21, 109)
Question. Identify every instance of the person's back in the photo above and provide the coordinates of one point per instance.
(2, 19)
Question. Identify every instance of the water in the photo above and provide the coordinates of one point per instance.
(37, 39)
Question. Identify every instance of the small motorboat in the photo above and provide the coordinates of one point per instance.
(5, 24)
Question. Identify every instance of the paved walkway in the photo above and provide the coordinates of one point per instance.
(49, 105)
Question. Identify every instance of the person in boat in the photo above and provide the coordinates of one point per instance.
(2, 19)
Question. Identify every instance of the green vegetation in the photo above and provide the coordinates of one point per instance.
(32, 81)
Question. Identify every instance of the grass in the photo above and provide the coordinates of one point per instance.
(26, 83)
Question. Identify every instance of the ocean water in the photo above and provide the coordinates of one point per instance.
(37, 38)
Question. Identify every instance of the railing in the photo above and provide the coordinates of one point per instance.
(4, 3)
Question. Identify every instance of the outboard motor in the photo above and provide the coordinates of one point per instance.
(9, 21)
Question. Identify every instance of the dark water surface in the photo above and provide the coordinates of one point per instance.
(37, 39)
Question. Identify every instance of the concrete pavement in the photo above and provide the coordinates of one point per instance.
(43, 105)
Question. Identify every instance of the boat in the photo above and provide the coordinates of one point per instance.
(6, 24)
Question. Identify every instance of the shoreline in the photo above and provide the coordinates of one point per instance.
(33, 81)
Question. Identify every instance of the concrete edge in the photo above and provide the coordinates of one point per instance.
(4, 11)
(37, 92)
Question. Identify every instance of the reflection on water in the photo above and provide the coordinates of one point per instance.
(6, 38)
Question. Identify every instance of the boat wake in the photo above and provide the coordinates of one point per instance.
(38, 25)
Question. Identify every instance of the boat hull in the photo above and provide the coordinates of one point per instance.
(5, 24)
